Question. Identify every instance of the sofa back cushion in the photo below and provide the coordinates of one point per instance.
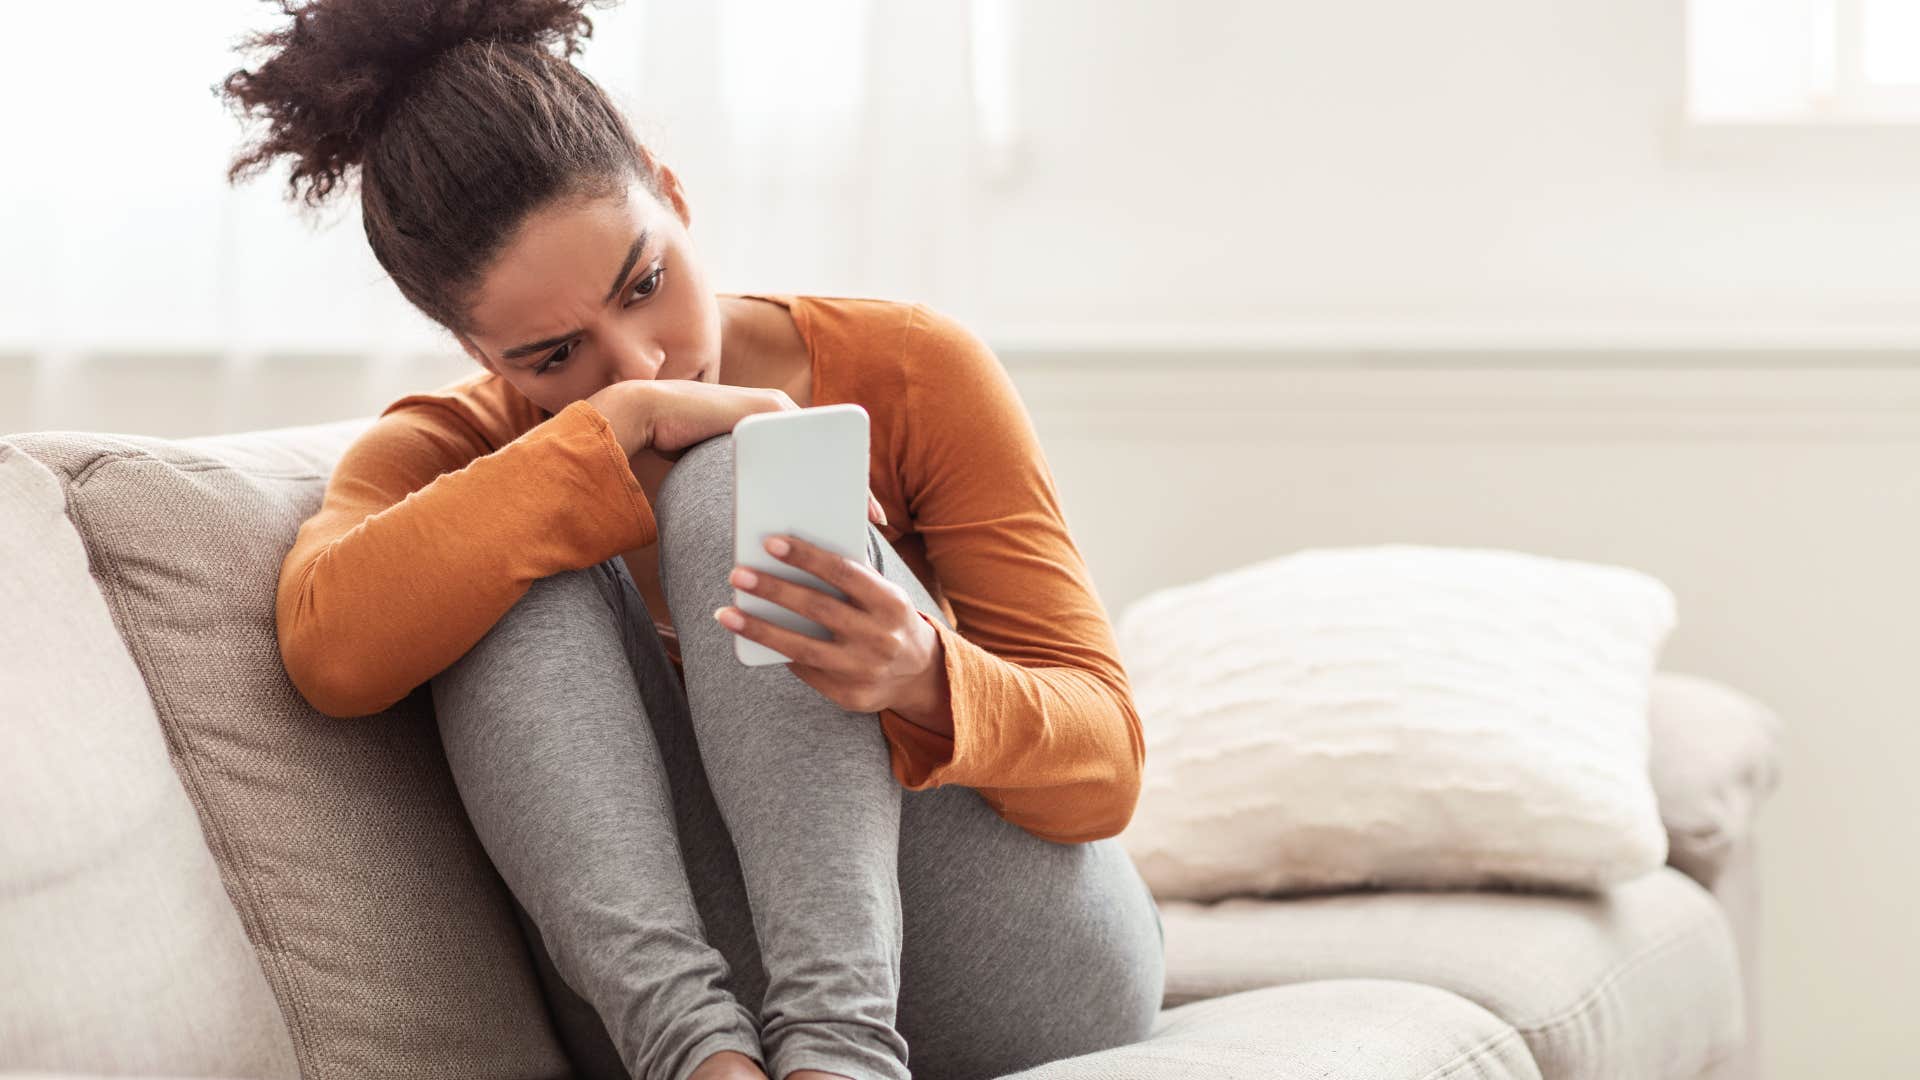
(385, 932)
(119, 950)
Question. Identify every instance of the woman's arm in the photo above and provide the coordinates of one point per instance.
(1043, 720)
(427, 535)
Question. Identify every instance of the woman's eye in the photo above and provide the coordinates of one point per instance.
(557, 356)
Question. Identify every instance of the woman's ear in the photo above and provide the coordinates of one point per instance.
(671, 184)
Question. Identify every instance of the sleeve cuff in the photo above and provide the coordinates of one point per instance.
(583, 411)
(921, 758)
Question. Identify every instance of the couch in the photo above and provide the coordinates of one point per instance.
(202, 876)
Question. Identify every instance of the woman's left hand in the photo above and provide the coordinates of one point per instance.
(882, 654)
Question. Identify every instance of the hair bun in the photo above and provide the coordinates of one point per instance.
(339, 67)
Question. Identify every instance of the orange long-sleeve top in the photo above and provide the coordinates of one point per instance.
(441, 514)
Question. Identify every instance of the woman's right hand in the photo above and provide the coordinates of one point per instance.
(662, 417)
(657, 419)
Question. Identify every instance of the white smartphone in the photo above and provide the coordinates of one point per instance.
(797, 472)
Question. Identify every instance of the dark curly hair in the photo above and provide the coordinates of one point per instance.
(460, 116)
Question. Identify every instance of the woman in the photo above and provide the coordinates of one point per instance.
(895, 850)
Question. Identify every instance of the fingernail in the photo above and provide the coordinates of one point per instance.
(777, 545)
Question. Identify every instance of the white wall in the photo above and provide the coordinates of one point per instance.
(1388, 167)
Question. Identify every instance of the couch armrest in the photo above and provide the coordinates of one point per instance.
(1715, 759)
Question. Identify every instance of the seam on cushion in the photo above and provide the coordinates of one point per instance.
(1170, 1061)
(1214, 988)
(1568, 1014)
(114, 457)
(1479, 1053)
(266, 920)
(1221, 988)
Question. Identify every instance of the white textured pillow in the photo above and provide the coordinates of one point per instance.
(1396, 716)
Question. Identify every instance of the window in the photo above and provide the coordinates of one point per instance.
(1803, 61)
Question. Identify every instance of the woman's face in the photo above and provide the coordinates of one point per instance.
(589, 293)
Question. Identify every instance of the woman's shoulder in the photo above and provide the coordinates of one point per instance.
(493, 407)
(872, 342)
(879, 318)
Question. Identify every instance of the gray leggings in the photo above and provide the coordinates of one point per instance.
(734, 866)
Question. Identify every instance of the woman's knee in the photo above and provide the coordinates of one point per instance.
(550, 605)
(693, 511)
(557, 650)
(699, 485)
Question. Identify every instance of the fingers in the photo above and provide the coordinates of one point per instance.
(865, 589)
(795, 646)
(829, 611)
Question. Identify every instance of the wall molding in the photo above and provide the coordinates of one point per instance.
(1232, 401)
(1232, 395)
(1734, 339)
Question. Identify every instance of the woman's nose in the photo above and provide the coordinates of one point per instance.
(641, 361)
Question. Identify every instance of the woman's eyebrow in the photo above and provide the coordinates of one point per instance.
(633, 256)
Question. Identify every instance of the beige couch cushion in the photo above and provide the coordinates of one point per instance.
(119, 950)
(1342, 1029)
(383, 929)
(1641, 981)
(1715, 759)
